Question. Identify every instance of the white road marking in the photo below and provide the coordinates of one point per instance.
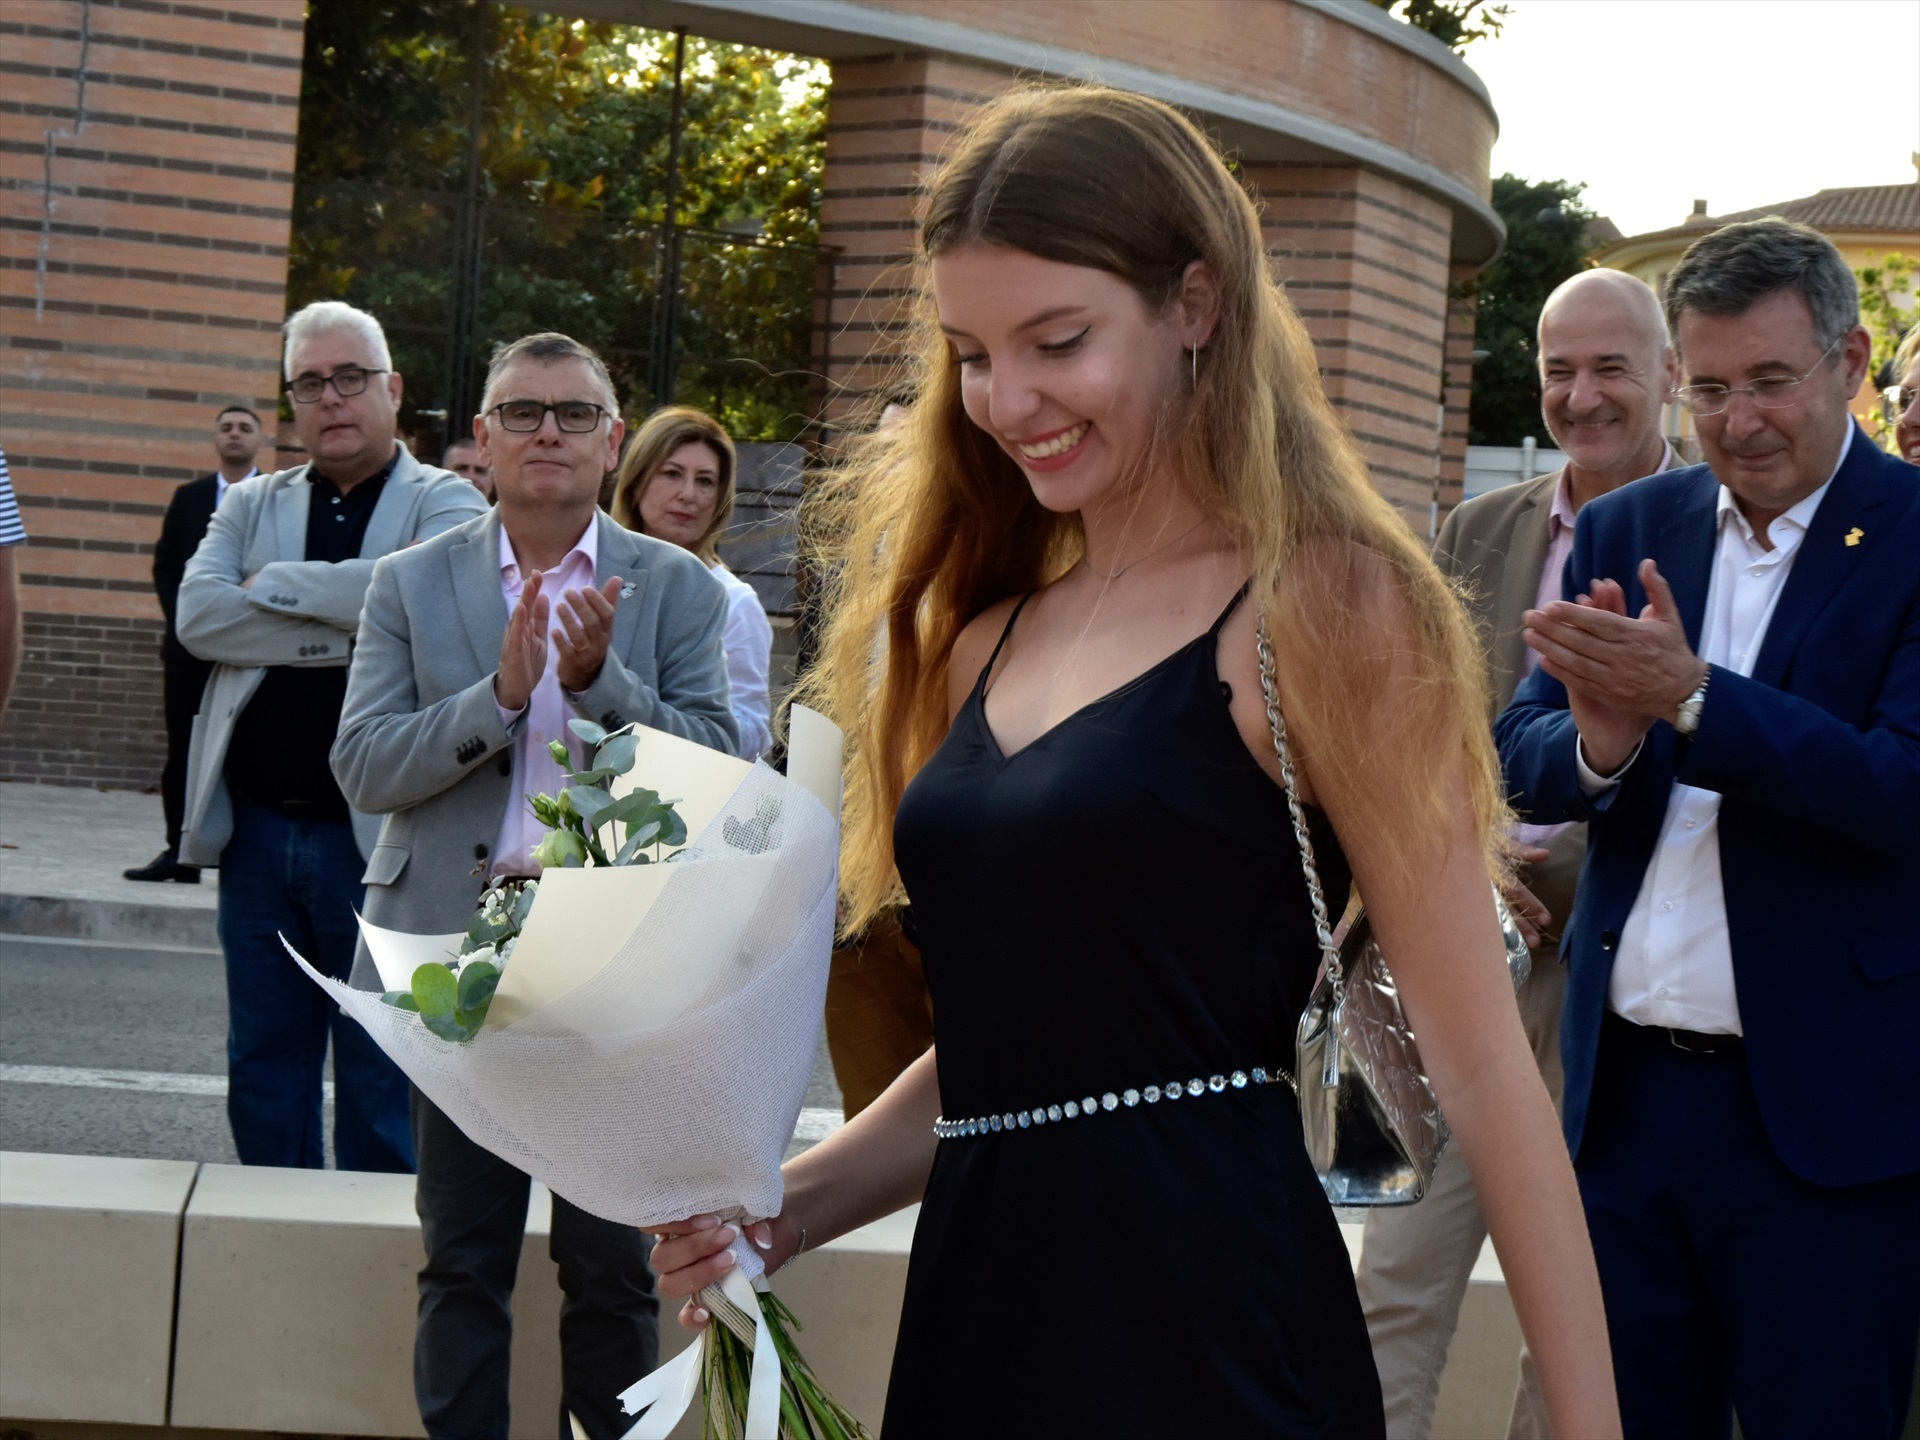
(816, 1122)
(12, 939)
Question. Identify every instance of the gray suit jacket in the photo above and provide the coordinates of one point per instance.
(1494, 546)
(297, 612)
(420, 736)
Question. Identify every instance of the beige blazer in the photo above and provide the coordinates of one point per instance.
(1494, 546)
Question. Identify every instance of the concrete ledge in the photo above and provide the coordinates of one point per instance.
(82, 919)
(88, 1250)
(297, 1297)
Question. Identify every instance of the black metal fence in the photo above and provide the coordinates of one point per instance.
(452, 276)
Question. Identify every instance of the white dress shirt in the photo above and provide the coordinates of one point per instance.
(544, 717)
(1675, 964)
(221, 484)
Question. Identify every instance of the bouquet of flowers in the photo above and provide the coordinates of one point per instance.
(639, 1035)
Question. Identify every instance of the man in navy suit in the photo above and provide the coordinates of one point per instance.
(1729, 695)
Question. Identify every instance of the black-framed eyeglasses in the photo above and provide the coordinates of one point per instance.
(1770, 392)
(576, 417)
(348, 380)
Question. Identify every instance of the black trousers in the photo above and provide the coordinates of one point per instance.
(183, 679)
(473, 1215)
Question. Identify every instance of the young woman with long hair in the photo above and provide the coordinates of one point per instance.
(1121, 461)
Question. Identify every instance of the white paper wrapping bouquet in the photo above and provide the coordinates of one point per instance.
(651, 1041)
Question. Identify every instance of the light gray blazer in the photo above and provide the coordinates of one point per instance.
(420, 736)
(297, 612)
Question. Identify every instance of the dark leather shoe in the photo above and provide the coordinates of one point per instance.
(165, 866)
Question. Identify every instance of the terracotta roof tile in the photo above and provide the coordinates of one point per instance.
(1868, 207)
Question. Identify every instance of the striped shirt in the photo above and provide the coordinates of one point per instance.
(12, 532)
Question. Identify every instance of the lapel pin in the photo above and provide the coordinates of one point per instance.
(1853, 535)
(626, 591)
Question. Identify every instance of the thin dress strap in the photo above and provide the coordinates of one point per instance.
(1226, 614)
(980, 685)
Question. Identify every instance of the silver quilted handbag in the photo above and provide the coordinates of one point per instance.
(1374, 1130)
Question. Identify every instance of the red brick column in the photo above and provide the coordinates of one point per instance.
(1461, 307)
(889, 122)
(140, 290)
(1364, 260)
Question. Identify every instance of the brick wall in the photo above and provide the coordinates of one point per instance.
(86, 708)
(146, 180)
(889, 122)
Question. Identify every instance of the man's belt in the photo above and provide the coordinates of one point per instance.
(1694, 1042)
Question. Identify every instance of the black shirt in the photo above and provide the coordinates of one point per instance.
(281, 740)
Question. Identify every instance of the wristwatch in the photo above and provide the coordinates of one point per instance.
(1687, 720)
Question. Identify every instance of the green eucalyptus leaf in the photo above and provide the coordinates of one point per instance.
(588, 802)
(434, 990)
(598, 775)
(523, 907)
(673, 830)
(618, 753)
(635, 839)
(477, 984)
(401, 1000)
(591, 733)
(446, 1024)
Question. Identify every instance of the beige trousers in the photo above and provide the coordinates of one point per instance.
(1416, 1260)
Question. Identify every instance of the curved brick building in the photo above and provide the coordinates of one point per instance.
(147, 151)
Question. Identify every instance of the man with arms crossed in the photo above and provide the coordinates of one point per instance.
(272, 597)
(1729, 695)
(475, 650)
(1606, 369)
(236, 440)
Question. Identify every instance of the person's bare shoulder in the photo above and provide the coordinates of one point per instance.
(972, 650)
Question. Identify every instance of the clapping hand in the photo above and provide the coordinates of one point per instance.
(586, 621)
(523, 649)
(1621, 674)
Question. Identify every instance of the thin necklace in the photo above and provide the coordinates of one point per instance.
(1115, 575)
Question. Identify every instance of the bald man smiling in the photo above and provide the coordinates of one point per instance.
(1606, 369)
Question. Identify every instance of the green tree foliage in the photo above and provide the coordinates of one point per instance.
(1454, 23)
(1546, 243)
(1888, 310)
(572, 167)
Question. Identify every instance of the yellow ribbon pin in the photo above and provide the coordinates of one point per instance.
(1853, 536)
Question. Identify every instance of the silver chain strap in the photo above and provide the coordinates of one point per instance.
(1277, 726)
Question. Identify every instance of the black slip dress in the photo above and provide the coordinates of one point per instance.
(1119, 905)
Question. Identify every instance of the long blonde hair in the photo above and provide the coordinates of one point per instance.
(662, 433)
(929, 523)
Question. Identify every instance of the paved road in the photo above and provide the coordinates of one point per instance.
(121, 1050)
(81, 1004)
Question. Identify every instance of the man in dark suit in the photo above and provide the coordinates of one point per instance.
(237, 438)
(1606, 370)
(1729, 695)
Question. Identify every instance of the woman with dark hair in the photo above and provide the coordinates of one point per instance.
(1121, 480)
(676, 483)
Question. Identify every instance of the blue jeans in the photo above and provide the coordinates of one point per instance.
(300, 878)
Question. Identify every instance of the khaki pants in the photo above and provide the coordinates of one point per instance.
(879, 1018)
(1416, 1260)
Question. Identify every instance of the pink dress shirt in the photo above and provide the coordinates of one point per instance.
(547, 710)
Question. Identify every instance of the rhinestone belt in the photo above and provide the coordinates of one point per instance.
(947, 1129)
